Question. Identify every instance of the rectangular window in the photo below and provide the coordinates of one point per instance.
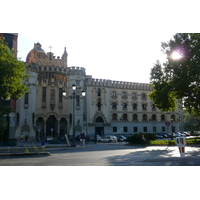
(115, 129)
(114, 94)
(135, 129)
(154, 129)
(163, 128)
(134, 95)
(26, 98)
(124, 94)
(143, 95)
(125, 129)
(145, 129)
(44, 94)
(77, 100)
(60, 94)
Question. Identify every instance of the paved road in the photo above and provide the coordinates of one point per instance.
(111, 155)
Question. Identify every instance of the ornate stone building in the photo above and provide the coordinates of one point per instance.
(109, 107)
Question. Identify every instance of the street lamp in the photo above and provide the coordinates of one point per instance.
(172, 128)
(73, 96)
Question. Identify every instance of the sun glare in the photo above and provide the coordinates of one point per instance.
(176, 55)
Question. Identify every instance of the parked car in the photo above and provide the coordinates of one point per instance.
(121, 138)
(106, 138)
(49, 138)
(158, 136)
(178, 134)
(90, 137)
(164, 135)
(186, 133)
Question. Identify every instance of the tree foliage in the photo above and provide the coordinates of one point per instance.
(4, 111)
(178, 79)
(12, 73)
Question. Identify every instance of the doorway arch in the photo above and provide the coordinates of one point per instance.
(51, 126)
(99, 129)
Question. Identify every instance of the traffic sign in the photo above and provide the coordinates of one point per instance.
(167, 123)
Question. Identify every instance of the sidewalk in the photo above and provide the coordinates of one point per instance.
(33, 150)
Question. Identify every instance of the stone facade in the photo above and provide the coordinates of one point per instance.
(110, 107)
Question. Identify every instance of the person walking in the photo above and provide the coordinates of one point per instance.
(26, 137)
(81, 139)
(143, 139)
(21, 137)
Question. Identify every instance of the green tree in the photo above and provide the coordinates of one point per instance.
(13, 73)
(178, 79)
(4, 121)
(191, 123)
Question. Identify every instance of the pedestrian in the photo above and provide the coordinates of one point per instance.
(95, 137)
(26, 137)
(81, 139)
(143, 139)
(22, 137)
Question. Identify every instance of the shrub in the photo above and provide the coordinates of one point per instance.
(137, 138)
(26, 151)
(162, 142)
(151, 136)
(193, 141)
(36, 149)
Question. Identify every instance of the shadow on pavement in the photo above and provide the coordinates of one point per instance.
(156, 157)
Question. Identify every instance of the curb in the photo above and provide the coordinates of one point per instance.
(8, 155)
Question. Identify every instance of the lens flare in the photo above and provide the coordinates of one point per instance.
(176, 55)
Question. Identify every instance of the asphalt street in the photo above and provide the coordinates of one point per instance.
(111, 155)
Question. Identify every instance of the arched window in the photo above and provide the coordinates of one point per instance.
(124, 106)
(153, 107)
(99, 104)
(114, 106)
(99, 119)
(173, 118)
(135, 117)
(114, 117)
(99, 92)
(134, 106)
(153, 117)
(125, 117)
(144, 117)
(162, 117)
(144, 106)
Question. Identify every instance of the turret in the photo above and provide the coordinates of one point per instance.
(64, 57)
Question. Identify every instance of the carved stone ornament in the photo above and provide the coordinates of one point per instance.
(99, 114)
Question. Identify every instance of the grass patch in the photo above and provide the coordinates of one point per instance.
(162, 142)
(193, 140)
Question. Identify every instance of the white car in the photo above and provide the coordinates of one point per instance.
(106, 138)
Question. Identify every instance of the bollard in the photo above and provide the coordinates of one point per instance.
(180, 141)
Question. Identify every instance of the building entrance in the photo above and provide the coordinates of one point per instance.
(51, 126)
(99, 131)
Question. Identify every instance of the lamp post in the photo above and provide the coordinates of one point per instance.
(172, 128)
(73, 96)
